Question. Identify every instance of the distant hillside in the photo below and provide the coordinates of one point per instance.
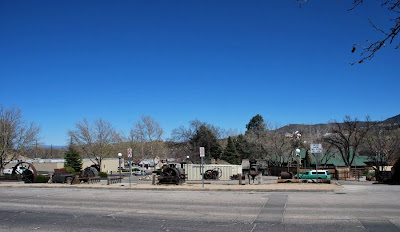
(54, 146)
(290, 128)
(392, 120)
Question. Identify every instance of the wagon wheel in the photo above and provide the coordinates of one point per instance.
(29, 173)
(208, 174)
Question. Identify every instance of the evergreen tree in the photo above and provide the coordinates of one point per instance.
(230, 154)
(256, 125)
(242, 147)
(73, 159)
(204, 137)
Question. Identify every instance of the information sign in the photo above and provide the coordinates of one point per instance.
(202, 152)
(316, 148)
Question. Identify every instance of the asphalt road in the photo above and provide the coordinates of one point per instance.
(358, 207)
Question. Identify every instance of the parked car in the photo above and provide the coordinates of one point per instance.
(19, 170)
(140, 173)
(322, 174)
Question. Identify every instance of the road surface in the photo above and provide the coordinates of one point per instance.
(357, 207)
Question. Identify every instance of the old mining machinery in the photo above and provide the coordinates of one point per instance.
(253, 172)
(171, 175)
(87, 175)
(213, 174)
(24, 171)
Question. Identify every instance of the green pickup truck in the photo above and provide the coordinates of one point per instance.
(322, 174)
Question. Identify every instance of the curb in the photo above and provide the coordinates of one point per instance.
(162, 189)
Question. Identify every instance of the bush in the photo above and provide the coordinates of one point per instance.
(103, 174)
(5, 176)
(157, 172)
(70, 170)
(42, 179)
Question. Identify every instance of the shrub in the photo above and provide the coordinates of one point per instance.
(42, 179)
(103, 174)
(157, 172)
(70, 170)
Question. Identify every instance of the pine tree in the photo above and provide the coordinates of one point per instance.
(243, 147)
(230, 154)
(205, 137)
(73, 159)
(256, 125)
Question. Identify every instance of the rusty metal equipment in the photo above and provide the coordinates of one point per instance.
(286, 175)
(62, 176)
(171, 175)
(213, 174)
(253, 172)
(87, 175)
(24, 171)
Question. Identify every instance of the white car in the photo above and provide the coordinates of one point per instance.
(8, 171)
(140, 173)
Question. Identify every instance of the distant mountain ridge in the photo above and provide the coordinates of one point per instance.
(54, 146)
(392, 120)
(290, 128)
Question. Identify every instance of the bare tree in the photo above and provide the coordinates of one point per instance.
(45, 152)
(279, 146)
(347, 137)
(382, 145)
(181, 140)
(315, 134)
(146, 137)
(16, 135)
(95, 140)
(388, 35)
(328, 153)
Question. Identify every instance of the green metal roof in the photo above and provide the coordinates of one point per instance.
(334, 159)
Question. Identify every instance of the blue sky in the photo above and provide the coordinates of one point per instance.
(217, 61)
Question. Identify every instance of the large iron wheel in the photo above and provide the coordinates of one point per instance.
(25, 171)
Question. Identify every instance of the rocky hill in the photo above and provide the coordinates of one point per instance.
(290, 128)
(392, 120)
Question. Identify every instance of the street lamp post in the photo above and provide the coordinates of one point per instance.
(119, 164)
(187, 167)
(298, 163)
